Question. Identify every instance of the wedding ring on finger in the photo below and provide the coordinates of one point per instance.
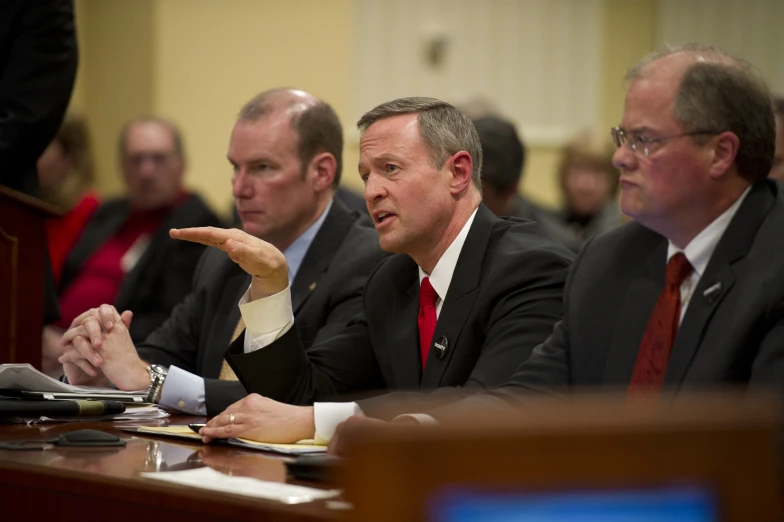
(231, 418)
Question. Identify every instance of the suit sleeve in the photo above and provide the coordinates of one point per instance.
(281, 374)
(767, 370)
(35, 86)
(342, 361)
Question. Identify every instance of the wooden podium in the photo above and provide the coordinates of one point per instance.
(23, 251)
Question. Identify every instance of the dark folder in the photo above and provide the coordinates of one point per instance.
(12, 408)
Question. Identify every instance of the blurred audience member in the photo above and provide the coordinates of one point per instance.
(503, 159)
(778, 160)
(589, 183)
(65, 177)
(125, 255)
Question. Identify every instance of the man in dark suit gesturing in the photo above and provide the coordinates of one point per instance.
(285, 150)
(463, 302)
(690, 295)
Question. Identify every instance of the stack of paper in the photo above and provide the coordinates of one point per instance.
(133, 412)
(30, 382)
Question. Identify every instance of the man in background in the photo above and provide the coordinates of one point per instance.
(503, 161)
(124, 255)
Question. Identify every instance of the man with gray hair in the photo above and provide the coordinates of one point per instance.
(285, 153)
(462, 303)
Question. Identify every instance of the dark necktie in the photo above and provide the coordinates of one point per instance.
(427, 317)
(654, 353)
(226, 373)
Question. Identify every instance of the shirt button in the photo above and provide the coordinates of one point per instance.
(181, 404)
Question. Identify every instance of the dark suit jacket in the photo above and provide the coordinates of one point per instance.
(38, 57)
(733, 329)
(326, 293)
(503, 300)
(162, 277)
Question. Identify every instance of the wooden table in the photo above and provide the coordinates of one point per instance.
(100, 484)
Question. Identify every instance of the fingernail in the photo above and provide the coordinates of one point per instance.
(109, 325)
(96, 360)
(96, 340)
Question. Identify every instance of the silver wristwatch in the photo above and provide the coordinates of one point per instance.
(158, 374)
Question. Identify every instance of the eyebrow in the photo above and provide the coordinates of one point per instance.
(638, 130)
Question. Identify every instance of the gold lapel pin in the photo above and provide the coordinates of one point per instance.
(312, 286)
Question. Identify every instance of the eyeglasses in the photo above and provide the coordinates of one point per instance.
(639, 143)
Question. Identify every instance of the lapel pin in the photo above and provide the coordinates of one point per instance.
(441, 347)
(712, 292)
(312, 286)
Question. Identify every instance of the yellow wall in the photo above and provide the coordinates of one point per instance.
(205, 70)
(198, 61)
(115, 79)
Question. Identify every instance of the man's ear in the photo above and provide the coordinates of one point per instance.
(323, 166)
(461, 166)
(725, 149)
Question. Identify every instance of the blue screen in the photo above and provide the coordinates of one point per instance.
(654, 505)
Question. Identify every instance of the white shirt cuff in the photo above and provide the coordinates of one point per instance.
(327, 416)
(417, 418)
(184, 391)
(266, 319)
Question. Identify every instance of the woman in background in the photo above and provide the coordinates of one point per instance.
(65, 177)
(589, 183)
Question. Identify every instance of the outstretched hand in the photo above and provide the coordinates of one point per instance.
(265, 263)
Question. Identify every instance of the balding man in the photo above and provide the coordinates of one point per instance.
(285, 153)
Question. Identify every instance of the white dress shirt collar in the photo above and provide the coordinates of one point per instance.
(700, 249)
(442, 274)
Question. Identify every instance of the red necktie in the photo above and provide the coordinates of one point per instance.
(657, 342)
(427, 317)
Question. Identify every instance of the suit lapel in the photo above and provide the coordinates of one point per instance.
(634, 315)
(234, 288)
(460, 297)
(402, 323)
(320, 253)
(718, 279)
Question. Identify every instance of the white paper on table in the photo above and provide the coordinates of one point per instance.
(25, 377)
(208, 478)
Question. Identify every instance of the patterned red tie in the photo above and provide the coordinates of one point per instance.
(654, 353)
(427, 317)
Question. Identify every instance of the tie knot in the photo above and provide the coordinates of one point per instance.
(678, 269)
(427, 294)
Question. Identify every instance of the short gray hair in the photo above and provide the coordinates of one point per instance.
(444, 129)
(723, 93)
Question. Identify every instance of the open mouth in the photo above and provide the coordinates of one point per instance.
(383, 217)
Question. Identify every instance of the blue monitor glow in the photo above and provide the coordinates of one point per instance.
(671, 504)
